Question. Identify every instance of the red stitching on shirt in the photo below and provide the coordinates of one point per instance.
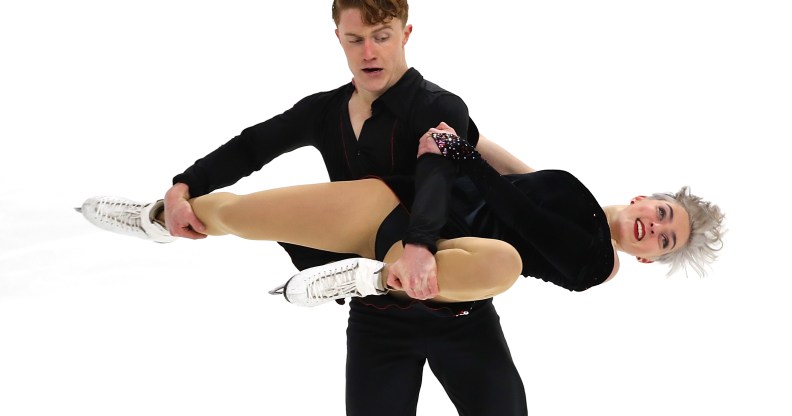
(456, 313)
(343, 140)
(393, 135)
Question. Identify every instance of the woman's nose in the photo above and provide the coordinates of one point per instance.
(655, 227)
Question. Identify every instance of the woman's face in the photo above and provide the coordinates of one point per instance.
(649, 228)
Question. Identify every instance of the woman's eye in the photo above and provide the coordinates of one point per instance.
(664, 241)
(662, 212)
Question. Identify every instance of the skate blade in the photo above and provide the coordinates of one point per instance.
(278, 290)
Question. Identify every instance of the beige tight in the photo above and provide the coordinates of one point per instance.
(344, 217)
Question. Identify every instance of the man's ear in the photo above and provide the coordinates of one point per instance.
(407, 32)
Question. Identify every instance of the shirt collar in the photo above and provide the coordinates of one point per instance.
(398, 98)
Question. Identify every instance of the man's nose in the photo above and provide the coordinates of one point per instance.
(368, 49)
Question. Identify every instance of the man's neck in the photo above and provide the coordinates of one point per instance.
(365, 98)
(368, 97)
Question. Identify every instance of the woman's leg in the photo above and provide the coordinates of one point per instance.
(470, 268)
(338, 216)
(344, 217)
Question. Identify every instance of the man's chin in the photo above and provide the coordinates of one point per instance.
(371, 85)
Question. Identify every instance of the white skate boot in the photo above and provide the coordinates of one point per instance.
(356, 277)
(126, 217)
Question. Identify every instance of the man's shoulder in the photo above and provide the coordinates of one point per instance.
(415, 81)
(432, 88)
(431, 94)
(428, 92)
(321, 97)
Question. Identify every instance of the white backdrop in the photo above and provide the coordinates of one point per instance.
(108, 97)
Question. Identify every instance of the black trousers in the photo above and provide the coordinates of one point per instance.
(388, 345)
(389, 341)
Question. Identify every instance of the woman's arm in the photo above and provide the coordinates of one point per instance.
(564, 244)
(500, 159)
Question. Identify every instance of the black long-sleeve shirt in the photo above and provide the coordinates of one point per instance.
(388, 142)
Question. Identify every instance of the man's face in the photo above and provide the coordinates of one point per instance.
(375, 53)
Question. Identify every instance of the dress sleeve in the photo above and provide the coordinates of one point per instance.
(564, 244)
(253, 148)
(434, 175)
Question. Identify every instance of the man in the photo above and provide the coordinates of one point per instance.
(371, 127)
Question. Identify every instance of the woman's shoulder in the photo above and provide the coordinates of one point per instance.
(564, 194)
(554, 183)
(547, 175)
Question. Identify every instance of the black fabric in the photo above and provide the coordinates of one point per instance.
(388, 143)
(551, 218)
(484, 382)
(433, 178)
(390, 231)
(387, 146)
(388, 347)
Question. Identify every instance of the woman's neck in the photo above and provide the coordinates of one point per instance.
(612, 213)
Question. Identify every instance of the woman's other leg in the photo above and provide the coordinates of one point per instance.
(338, 216)
(471, 268)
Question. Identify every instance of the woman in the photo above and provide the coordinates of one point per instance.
(485, 229)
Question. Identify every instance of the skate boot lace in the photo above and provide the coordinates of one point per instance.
(339, 282)
(121, 213)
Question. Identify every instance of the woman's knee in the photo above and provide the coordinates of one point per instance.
(505, 264)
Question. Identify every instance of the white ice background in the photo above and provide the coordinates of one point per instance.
(110, 97)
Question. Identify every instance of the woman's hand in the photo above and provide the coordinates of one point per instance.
(427, 143)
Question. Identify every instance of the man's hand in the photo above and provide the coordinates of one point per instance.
(179, 216)
(415, 272)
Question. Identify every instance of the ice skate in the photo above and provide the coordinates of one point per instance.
(356, 277)
(126, 217)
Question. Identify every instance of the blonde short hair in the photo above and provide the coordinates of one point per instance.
(706, 233)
